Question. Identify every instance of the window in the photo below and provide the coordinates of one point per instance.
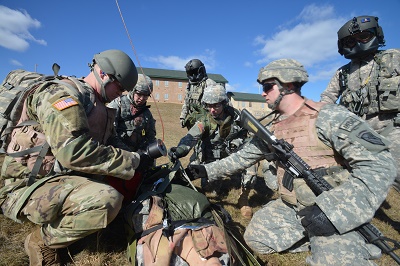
(166, 83)
(262, 105)
(243, 104)
(157, 97)
(250, 104)
(166, 96)
(179, 97)
(157, 82)
(179, 85)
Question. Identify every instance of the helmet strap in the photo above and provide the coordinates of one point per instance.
(283, 91)
(102, 84)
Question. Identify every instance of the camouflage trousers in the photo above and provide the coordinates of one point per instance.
(276, 227)
(388, 125)
(69, 208)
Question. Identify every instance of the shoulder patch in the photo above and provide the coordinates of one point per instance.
(64, 103)
(349, 124)
(369, 137)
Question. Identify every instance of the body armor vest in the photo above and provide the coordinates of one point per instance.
(194, 96)
(299, 130)
(132, 127)
(377, 91)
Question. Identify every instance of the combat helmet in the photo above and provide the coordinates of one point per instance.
(144, 85)
(285, 70)
(214, 94)
(195, 71)
(118, 64)
(360, 36)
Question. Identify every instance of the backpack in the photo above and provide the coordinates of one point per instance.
(13, 91)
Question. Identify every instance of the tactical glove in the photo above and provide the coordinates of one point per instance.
(183, 123)
(316, 222)
(146, 161)
(176, 152)
(196, 171)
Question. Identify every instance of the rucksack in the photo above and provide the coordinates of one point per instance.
(13, 91)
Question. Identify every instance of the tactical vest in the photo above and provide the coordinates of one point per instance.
(224, 137)
(299, 130)
(132, 127)
(100, 121)
(380, 92)
(195, 109)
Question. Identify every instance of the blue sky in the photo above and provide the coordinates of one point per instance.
(233, 38)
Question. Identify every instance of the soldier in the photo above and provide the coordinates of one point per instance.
(219, 135)
(134, 122)
(369, 84)
(68, 198)
(198, 80)
(335, 141)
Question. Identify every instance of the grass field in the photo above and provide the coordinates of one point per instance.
(108, 246)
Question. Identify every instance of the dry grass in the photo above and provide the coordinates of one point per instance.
(108, 246)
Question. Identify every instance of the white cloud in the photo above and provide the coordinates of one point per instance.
(311, 38)
(14, 29)
(15, 62)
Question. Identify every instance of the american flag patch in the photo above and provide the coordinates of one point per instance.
(365, 20)
(64, 103)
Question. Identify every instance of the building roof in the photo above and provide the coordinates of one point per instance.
(246, 97)
(176, 74)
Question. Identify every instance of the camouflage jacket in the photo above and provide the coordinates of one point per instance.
(352, 203)
(135, 125)
(78, 141)
(367, 86)
(218, 138)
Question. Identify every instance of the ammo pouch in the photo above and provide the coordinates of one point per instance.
(389, 94)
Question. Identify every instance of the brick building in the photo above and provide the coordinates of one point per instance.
(169, 86)
(254, 103)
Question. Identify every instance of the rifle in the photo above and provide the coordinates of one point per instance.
(295, 167)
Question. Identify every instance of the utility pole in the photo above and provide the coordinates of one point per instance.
(36, 67)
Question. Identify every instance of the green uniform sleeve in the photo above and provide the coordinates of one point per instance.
(332, 92)
(193, 136)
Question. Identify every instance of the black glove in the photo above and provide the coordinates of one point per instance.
(176, 152)
(195, 171)
(316, 222)
(146, 161)
(183, 124)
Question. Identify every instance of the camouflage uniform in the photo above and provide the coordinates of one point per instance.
(218, 139)
(68, 199)
(135, 124)
(377, 78)
(357, 195)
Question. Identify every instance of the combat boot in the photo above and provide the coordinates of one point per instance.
(39, 254)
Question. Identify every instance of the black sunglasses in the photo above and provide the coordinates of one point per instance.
(267, 86)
